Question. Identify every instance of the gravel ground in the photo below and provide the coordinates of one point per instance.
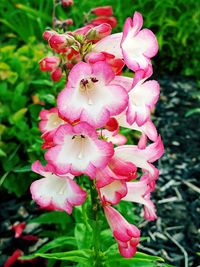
(175, 235)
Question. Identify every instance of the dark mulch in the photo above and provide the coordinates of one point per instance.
(175, 235)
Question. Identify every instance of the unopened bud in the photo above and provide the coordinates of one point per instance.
(109, 20)
(56, 74)
(99, 32)
(47, 35)
(102, 11)
(67, 2)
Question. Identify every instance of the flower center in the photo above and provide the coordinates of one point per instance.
(86, 86)
(80, 142)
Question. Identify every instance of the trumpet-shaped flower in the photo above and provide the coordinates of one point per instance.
(139, 192)
(50, 121)
(138, 46)
(142, 158)
(142, 99)
(127, 235)
(78, 150)
(89, 96)
(54, 192)
(147, 129)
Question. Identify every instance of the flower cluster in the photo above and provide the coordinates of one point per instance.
(82, 134)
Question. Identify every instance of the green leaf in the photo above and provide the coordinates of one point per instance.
(18, 115)
(192, 112)
(53, 217)
(81, 256)
(140, 259)
(56, 243)
(26, 168)
(2, 153)
(83, 235)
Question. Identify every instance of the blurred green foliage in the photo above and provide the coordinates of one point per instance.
(24, 90)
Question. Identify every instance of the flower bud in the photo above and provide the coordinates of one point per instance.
(68, 22)
(99, 32)
(56, 74)
(49, 63)
(109, 20)
(102, 11)
(47, 35)
(67, 2)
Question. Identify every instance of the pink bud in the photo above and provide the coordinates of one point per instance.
(109, 20)
(18, 228)
(49, 63)
(67, 2)
(112, 125)
(56, 74)
(99, 32)
(58, 42)
(47, 35)
(13, 258)
(102, 11)
(84, 29)
(68, 22)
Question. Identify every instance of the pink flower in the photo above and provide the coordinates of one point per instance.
(142, 158)
(117, 169)
(127, 235)
(78, 150)
(50, 121)
(147, 129)
(142, 99)
(54, 192)
(102, 11)
(138, 46)
(139, 192)
(110, 44)
(89, 96)
(116, 63)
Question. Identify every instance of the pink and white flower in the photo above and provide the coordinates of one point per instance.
(147, 129)
(138, 46)
(78, 150)
(127, 235)
(54, 192)
(117, 169)
(50, 121)
(89, 96)
(142, 99)
(139, 192)
(142, 158)
(117, 64)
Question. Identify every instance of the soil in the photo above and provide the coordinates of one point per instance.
(175, 235)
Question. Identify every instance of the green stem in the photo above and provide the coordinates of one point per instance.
(96, 226)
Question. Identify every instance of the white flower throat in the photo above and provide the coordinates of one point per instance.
(80, 142)
(87, 86)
